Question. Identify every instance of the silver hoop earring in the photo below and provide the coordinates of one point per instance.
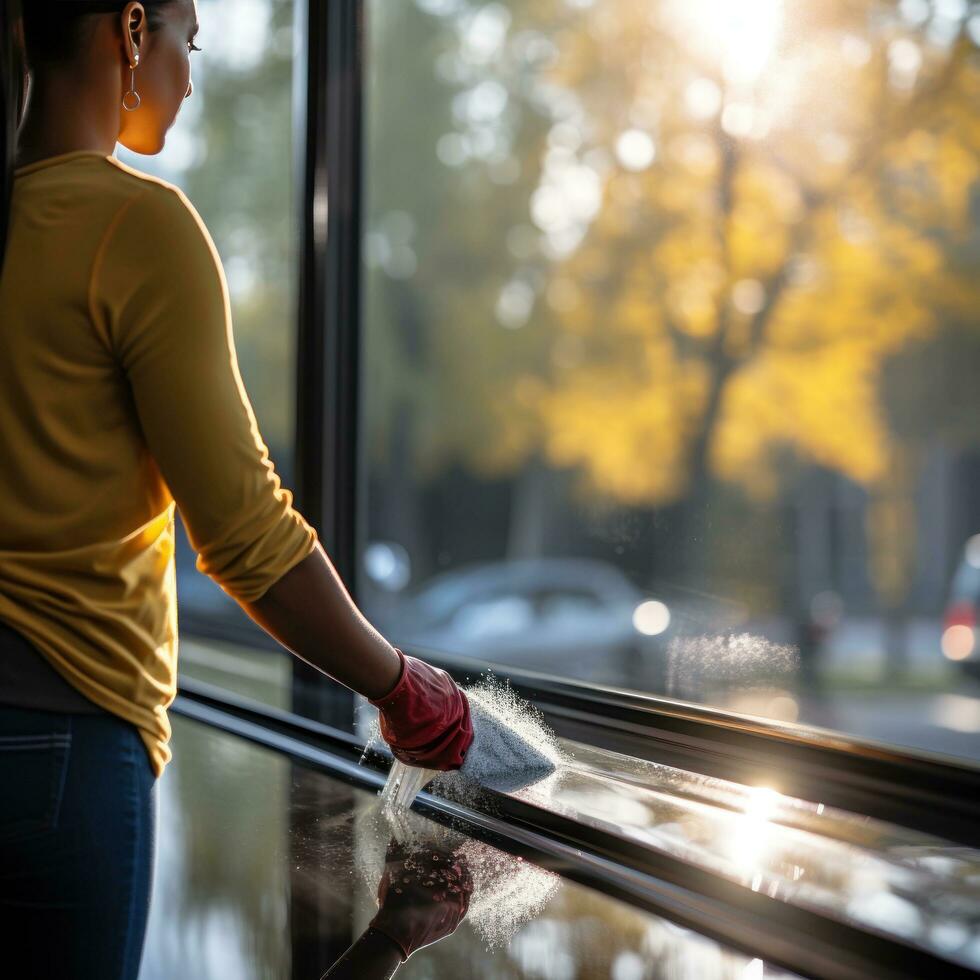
(131, 100)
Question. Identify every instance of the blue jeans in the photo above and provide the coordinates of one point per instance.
(77, 839)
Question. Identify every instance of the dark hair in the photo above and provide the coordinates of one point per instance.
(36, 32)
(13, 74)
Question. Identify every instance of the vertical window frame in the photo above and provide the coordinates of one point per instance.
(328, 314)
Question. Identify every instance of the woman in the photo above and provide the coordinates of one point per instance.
(120, 398)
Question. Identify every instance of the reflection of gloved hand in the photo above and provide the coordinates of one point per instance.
(426, 717)
(423, 896)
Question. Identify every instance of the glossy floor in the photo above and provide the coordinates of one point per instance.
(266, 869)
(917, 888)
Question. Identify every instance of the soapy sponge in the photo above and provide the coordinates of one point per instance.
(511, 748)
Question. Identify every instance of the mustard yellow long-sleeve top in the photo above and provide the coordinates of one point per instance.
(120, 395)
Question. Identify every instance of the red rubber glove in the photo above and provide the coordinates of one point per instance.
(423, 896)
(425, 719)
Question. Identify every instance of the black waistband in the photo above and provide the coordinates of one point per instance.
(27, 680)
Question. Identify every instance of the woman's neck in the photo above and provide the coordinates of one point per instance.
(62, 117)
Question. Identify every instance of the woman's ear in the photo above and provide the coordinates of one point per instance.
(133, 23)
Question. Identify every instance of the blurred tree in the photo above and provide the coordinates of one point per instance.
(662, 244)
(775, 254)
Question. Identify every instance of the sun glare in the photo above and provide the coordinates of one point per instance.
(748, 834)
(740, 38)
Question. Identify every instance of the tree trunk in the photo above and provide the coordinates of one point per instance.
(538, 511)
(895, 630)
(404, 518)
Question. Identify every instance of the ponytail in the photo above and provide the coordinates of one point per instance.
(13, 74)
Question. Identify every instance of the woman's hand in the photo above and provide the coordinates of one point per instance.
(425, 718)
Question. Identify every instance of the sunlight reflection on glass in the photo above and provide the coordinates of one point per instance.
(749, 833)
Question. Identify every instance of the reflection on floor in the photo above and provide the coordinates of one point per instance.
(269, 870)
(915, 887)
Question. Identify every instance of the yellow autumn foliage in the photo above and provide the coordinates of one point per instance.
(780, 268)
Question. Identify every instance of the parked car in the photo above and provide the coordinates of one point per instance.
(961, 635)
(573, 617)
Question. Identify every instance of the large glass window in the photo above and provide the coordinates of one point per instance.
(232, 152)
(671, 350)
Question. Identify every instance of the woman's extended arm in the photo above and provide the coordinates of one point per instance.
(310, 603)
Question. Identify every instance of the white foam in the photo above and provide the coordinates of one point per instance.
(512, 746)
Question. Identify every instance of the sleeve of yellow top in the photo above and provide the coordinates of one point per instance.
(162, 289)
